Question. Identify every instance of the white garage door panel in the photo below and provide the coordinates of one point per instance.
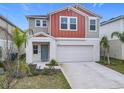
(74, 53)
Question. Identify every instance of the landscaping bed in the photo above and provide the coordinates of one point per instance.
(116, 64)
(50, 81)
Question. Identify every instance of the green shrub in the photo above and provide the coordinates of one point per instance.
(1, 65)
(24, 69)
(52, 63)
(3, 82)
(46, 71)
(33, 69)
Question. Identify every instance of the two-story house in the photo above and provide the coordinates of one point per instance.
(70, 34)
(107, 27)
(6, 28)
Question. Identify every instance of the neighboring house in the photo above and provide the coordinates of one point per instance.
(5, 34)
(106, 29)
(70, 34)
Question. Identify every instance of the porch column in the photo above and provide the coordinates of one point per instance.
(29, 52)
(52, 49)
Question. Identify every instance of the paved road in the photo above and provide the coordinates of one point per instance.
(91, 75)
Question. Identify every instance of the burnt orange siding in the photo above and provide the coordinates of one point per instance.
(84, 11)
(55, 29)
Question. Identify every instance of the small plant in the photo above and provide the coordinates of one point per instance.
(3, 82)
(52, 63)
(24, 69)
(46, 71)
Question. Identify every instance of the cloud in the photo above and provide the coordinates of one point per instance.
(101, 4)
(98, 4)
(25, 7)
(95, 4)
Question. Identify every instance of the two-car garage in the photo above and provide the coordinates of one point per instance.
(81, 51)
(72, 53)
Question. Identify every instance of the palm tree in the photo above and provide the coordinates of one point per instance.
(18, 38)
(105, 44)
(119, 35)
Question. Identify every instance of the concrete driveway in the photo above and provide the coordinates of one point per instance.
(86, 75)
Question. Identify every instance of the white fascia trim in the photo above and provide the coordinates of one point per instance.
(53, 12)
(79, 12)
(78, 39)
(73, 9)
(90, 11)
(43, 34)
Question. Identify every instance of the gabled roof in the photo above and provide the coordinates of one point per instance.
(83, 8)
(37, 16)
(112, 20)
(42, 34)
(74, 9)
(68, 7)
(6, 20)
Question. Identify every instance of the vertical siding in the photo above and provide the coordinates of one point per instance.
(55, 30)
(82, 10)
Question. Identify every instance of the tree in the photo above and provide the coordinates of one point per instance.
(8, 64)
(105, 44)
(119, 35)
(19, 39)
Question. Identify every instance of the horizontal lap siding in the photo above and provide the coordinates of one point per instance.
(80, 33)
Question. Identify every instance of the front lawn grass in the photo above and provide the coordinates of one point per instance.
(115, 64)
(54, 81)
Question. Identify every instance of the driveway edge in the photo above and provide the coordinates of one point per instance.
(66, 77)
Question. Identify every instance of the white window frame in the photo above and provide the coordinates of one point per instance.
(93, 18)
(68, 23)
(35, 49)
(41, 23)
(36, 22)
(46, 23)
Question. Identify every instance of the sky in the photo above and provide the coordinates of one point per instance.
(16, 12)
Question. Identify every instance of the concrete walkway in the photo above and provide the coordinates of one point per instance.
(91, 75)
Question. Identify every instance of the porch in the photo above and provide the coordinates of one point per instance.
(40, 50)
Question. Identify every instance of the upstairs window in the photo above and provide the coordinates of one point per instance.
(73, 24)
(68, 23)
(44, 23)
(93, 24)
(35, 49)
(38, 23)
(64, 24)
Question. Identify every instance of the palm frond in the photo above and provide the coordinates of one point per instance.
(117, 34)
(18, 37)
(104, 42)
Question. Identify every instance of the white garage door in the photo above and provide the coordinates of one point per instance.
(81, 53)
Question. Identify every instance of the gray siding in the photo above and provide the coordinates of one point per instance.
(37, 29)
(90, 34)
(4, 35)
(6, 25)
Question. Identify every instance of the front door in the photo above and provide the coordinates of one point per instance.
(44, 52)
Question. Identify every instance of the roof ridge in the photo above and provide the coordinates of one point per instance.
(112, 19)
